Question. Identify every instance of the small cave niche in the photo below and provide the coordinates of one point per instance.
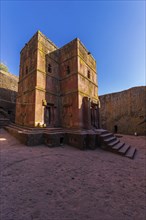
(49, 68)
(26, 70)
(61, 141)
(68, 69)
(88, 74)
(115, 129)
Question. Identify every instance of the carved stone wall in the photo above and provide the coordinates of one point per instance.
(69, 85)
(25, 106)
(46, 83)
(126, 109)
(8, 93)
(87, 85)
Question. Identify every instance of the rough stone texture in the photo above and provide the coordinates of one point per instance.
(53, 84)
(54, 140)
(63, 183)
(8, 93)
(125, 109)
(31, 137)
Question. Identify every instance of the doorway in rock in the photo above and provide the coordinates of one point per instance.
(48, 115)
(115, 128)
(94, 111)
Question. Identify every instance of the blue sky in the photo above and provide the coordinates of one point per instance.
(113, 31)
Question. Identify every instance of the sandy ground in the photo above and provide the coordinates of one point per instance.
(65, 183)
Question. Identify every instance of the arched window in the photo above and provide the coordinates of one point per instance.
(26, 69)
(49, 68)
(88, 74)
(68, 70)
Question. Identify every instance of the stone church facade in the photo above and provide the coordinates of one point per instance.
(57, 86)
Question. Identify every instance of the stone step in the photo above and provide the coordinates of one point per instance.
(10, 127)
(106, 135)
(19, 127)
(124, 149)
(108, 140)
(103, 132)
(53, 132)
(131, 152)
(117, 146)
(114, 143)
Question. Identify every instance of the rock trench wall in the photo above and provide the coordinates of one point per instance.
(126, 109)
(8, 93)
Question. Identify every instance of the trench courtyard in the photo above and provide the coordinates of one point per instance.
(65, 183)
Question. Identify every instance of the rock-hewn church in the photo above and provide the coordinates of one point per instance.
(57, 86)
(58, 98)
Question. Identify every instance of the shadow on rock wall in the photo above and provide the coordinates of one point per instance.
(8, 103)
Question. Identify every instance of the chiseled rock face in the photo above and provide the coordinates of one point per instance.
(8, 81)
(8, 93)
(126, 109)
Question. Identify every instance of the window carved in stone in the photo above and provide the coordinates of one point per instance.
(68, 70)
(26, 70)
(49, 68)
(88, 74)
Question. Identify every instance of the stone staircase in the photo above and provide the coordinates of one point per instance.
(111, 143)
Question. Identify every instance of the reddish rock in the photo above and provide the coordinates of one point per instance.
(57, 87)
